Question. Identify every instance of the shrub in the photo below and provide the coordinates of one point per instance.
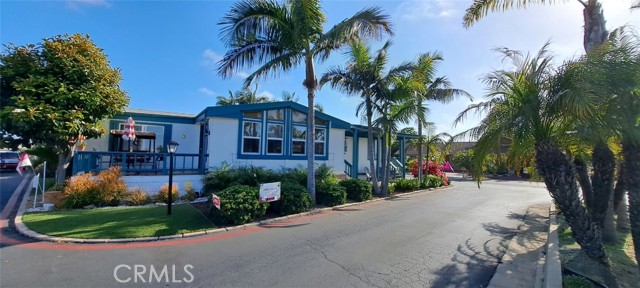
(294, 198)
(324, 174)
(433, 181)
(226, 177)
(58, 186)
(404, 185)
(190, 193)
(80, 191)
(295, 175)
(219, 179)
(330, 194)
(163, 194)
(358, 190)
(111, 188)
(392, 188)
(137, 197)
(238, 205)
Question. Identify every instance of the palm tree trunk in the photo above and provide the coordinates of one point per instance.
(311, 83)
(604, 164)
(385, 166)
(370, 148)
(620, 200)
(585, 183)
(559, 176)
(420, 151)
(595, 31)
(631, 154)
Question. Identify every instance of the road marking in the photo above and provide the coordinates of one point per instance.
(164, 243)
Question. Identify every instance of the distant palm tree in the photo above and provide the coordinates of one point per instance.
(248, 96)
(232, 99)
(595, 32)
(531, 104)
(365, 75)
(283, 35)
(318, 107)
(427, 87)
(289, 96)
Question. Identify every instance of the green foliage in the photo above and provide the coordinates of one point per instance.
(80, 191)
(111, 188)
(58, 186)
(324, 174)
(404, 185)
(227, 176)
(238, 205)
(392, 188)
(163, 194)
(330, 194)
(64, 86)
(293, 199)
(432, 181)
(296, 175)
(358, 190)
(190, 194)
(42, 154)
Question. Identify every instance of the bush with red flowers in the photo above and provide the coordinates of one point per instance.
(431, 168)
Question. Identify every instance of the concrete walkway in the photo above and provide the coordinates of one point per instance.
(523, 263)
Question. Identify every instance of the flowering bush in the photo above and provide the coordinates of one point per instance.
(431, 168)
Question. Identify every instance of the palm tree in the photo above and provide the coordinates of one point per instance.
(427, 87)
(364, 75)
(283, 35)
(525, 105)
(232, 99)
(595, 32)
(289, 96)
(318, 107)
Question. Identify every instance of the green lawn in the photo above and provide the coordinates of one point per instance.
(118, 222)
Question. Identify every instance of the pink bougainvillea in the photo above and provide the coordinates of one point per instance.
(431, 168)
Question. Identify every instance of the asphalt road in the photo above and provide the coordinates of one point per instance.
(9, 181)
(442, 238)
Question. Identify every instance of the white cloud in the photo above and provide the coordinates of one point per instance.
(77, 4)
(211, 58)
(242, 75)
(267, 94)
(206, 91)
(430, 9)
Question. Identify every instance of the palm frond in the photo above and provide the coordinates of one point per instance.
(480, 8)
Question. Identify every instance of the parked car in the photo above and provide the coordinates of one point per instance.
(9, 160)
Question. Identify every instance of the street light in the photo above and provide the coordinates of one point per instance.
(173, 146)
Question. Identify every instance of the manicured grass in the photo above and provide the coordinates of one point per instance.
(118, 222)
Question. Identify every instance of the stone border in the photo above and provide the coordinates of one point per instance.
(24, 230)
(552, 265)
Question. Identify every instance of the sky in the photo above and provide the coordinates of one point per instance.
(168, 50)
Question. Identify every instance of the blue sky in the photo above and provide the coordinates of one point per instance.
(167, 49)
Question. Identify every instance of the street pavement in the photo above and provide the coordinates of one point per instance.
(441, 238)
(9, 181)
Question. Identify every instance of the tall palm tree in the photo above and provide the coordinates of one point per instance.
(427, 87)
(365, 75)
(524, 105)
(289, 96)
(595, 32)
(282, 35)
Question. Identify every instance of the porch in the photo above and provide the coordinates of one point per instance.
(139, 163)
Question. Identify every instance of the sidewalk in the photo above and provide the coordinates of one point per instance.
(523, 263)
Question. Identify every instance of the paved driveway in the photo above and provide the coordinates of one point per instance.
(442, 238)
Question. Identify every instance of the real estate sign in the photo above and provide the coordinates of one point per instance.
(270, 192)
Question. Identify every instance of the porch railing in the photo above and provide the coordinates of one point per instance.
(347, 168)
(138, 163)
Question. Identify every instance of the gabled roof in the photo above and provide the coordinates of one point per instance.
(235, 111)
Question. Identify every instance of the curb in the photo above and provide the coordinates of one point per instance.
(24, 230)
(552, 265)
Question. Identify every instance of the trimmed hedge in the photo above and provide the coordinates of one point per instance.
(294, 198)
(330, 194)
(358, 190)
(238, 205)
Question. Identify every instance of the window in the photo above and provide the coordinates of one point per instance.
(275, 114)
(144, 145)
(274, 138)
(253, 114)
(251, 137)
(298, 137)
(299, 117)
(319, 140)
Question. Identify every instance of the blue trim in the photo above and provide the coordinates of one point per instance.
(155, 118)
(356, 150)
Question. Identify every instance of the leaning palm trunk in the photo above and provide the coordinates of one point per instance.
(604, 164)
(585, 183)
(595, 31)
(631, 154)
(559, 176)
(370, 149)
(620, 200)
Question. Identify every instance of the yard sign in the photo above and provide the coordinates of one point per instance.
(270, 192)
(216, 201)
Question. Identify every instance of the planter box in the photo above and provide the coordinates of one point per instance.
(54, 197)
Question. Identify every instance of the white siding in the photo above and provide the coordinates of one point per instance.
(152, 183)
(188, 136)
(102, 143)
(223, 141)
